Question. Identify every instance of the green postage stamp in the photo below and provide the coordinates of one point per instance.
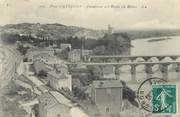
(164, 99)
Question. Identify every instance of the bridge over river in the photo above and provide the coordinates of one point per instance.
(134, 58)
(137, 68)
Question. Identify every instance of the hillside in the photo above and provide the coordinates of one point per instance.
(60, 31)
(51, 31)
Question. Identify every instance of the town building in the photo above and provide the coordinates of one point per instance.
(54, 104)
(74, 55)
(64, 46)
(40, 53)
(86, 52)
(62, 68)
(30, 107)
(79, 76)
(25, 68)
(57, 51)
(59, 78)
(107, 72)
(107, 95)
(40, 66)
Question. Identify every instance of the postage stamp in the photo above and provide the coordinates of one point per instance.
(144, 93)
(164, 99)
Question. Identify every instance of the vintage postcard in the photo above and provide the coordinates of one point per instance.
(89, 58)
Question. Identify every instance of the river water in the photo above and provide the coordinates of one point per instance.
(162, 46)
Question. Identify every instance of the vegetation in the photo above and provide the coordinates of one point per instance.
(12, 109)
(115, 44)
(9, 103)
(42, 73)
(79, 93)
(22, 49)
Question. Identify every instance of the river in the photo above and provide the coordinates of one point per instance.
(162, 47)
(159, 46)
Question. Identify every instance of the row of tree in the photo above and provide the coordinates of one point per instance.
(109, 44)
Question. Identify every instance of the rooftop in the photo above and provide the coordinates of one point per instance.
(39, 65)
(25, 79)
(52, 98)
(56, 74)
(107, 84)
(61, 98)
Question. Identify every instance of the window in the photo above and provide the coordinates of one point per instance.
(107, 109)
(58, 115)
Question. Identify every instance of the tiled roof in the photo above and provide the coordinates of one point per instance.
(61, 98)
(25, 79)
(53, 98)
(106, 84)
(47, 100)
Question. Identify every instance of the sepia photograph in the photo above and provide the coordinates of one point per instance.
(89, 58)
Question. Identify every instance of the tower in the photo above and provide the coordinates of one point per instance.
(110, 29)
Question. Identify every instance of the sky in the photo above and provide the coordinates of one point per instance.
(159, 14)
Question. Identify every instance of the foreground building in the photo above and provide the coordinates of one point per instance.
(107, 95)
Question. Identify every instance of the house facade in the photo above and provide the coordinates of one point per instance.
(107, 95)
(74, 55)
(54, 104)
(58, 80)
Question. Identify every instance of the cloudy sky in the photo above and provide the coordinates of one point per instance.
(158, 14)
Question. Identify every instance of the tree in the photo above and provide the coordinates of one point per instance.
(42, 73)
(115, 43)
(129, 94)
(22, 49)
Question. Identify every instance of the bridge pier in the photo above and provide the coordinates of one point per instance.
(164, 71)
(118, 71)
(133, 72)
(104, 60)
(174, 58)
(146, 59)
(149, 71)
(119, 60)
(178, 71)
